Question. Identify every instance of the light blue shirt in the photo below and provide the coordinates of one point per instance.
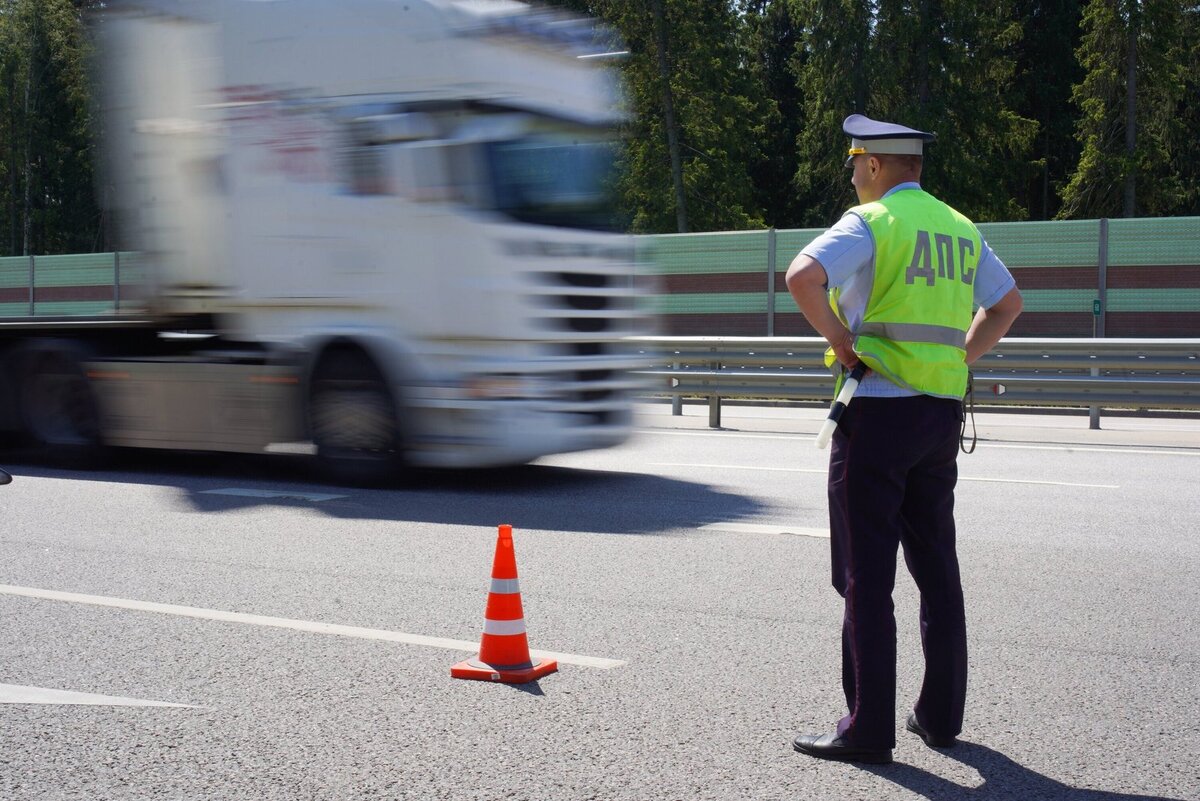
(847, 252)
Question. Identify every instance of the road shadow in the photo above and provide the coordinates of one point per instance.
(1003, 780)
(530, 496)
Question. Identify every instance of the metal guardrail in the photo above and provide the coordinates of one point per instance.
(1083, 373)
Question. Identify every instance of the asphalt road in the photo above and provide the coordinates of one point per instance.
(683, 579)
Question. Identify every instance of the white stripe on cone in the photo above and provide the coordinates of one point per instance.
(504, 628)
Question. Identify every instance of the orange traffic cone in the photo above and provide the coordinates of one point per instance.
(504, 651)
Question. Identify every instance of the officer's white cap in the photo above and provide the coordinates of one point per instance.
(872, 136)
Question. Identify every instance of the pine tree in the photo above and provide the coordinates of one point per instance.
(1133, 53)
(772, 40)
(689, 68)
(1183, 145)
(834, 79)
(46, 194)
(1046, 69)
(947, 66)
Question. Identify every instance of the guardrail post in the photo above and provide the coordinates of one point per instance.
(770, 282)
(31, 300)
(1099, 310)
(714, 402)
(676, 399)
(116, 281)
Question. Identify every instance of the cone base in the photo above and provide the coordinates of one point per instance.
(481, 671)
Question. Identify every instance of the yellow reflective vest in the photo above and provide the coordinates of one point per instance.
(914, 331)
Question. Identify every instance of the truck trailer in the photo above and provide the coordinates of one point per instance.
(381, 230)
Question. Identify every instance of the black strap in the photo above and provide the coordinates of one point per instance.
(968, 408)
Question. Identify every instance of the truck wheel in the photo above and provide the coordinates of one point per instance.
(352, 420)
(58, 409)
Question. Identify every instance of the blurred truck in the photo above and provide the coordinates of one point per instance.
(378, 228)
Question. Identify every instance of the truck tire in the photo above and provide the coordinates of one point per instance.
(352, 420)
(57, 407)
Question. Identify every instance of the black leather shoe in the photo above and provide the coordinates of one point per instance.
(832, 746)
(931, 740)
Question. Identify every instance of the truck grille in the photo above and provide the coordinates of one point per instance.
(582, 304)
(585, 314)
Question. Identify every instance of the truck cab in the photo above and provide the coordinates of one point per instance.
(403, 209)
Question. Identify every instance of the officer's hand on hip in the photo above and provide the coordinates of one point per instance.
(843, 349)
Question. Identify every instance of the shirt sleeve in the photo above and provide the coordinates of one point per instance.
(992, 279)
(844, 250)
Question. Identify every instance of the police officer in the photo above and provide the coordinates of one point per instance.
(894, 283)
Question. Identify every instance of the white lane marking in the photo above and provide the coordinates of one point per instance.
(823, 472)
(289, 623)
(759, 528)
(253, 493)
(983, 443)
(21, 694)
(727, 434)
(1044, 483)
(1089, 449)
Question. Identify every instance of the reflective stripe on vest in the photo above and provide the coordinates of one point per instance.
(917, 332)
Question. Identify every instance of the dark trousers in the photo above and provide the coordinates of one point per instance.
(892, 473)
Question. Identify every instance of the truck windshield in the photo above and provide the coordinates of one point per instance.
(555, 179)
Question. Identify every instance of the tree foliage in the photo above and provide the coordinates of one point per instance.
(834, 75)
(1046, 71)
(1134, 54)
(736, 109)
(1183, 159)
(771, 37)
(47, 203)
(720, 113)
(945, 66)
